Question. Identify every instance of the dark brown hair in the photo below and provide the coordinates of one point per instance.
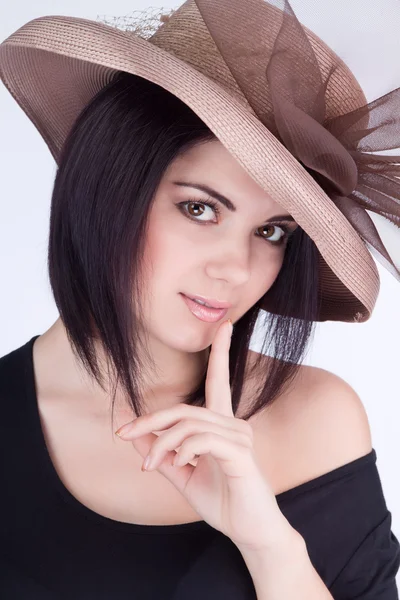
(109, 170)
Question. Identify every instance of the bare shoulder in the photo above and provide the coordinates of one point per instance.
(319, 425)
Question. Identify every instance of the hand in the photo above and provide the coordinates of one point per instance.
(226, 487)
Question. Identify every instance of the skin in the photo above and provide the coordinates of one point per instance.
(219, 257)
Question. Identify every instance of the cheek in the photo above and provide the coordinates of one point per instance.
(166, 253)
(265, 274)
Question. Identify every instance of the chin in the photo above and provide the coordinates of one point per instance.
(187, 338)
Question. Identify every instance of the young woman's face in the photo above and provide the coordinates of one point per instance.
(233, 256)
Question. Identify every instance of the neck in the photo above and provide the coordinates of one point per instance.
(177, 373)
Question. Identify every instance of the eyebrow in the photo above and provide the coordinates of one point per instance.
(225, 201)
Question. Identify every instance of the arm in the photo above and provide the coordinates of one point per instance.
(287, 573)
(329, 411)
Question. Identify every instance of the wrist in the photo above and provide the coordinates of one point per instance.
(286, 558)
(286, 543)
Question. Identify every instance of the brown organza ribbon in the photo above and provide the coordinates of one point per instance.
(286, 88)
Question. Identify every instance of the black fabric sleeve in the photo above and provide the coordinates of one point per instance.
(370, 573)
(345, 522)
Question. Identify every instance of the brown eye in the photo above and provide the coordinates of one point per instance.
(193, 209)
(267, 231)
(196, 209)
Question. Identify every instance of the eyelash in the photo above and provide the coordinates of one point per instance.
(287, 232)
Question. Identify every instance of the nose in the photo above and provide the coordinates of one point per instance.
(230, 261)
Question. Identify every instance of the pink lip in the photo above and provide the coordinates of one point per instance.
(210, 315)
(210, 301)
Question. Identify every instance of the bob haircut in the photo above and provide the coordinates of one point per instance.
(110, 167)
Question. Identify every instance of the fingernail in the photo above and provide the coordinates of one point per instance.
(146, 463)
(230, 325)
(123, 430)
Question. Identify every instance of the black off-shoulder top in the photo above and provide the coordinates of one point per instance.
(52, 546)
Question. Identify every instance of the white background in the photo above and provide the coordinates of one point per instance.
(365, 34)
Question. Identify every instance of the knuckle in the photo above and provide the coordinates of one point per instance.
(180, 410)
(247, 429)
(247, 453)
(210, 436)
(246, 441)
(190, 423)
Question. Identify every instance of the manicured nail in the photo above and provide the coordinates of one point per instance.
(230, 325)
(123, 430)
(146, 463)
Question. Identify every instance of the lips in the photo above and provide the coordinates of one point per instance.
(210, 301)
(204, 313)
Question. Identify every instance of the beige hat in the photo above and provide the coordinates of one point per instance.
(276, 96)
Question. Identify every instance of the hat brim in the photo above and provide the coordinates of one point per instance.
(54, 65)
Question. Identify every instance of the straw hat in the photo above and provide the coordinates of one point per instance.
(276, 96)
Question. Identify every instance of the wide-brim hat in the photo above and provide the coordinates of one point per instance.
(277, 97)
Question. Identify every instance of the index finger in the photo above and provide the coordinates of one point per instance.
(217, 388)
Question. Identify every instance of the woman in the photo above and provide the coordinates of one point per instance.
(277, 494)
